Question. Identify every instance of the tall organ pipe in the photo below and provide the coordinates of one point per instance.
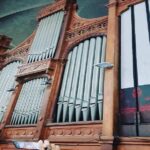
(46, 38)
(29, 102)
(7, 83)
(81, 91)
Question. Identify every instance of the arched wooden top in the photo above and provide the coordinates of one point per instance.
(124, 4)
(75, 43)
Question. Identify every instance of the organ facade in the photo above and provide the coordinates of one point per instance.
(79, 83)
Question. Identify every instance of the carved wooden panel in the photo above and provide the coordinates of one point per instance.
(7, 146)
(73, 133)
(60, 5)
(32, 68)
(20, 52)
(81, 29)
(18, 133)
(47, 65)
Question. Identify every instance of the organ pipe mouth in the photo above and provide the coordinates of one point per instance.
(47, 82)
(11, 89)
(104, 65)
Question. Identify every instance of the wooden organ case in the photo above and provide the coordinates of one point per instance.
(57, 93)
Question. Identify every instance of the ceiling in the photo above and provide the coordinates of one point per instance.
(18, 17)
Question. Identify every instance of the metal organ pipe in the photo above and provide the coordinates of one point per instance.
(81, 91)
(46, 38)
(29, 102)
(7, 83)
(134, 67)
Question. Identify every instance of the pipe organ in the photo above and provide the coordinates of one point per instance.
(29, 102)
(81, 93)
(46, 38)
(135, 72)
(68, 100)
(7, 85)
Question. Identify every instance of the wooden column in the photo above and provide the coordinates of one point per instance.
(11, 106)
(70, 6)
(49, 100)
(111, 79)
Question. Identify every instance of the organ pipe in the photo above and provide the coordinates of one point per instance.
(81, 92)
(46, 38)
(7, 83)
(29, 102)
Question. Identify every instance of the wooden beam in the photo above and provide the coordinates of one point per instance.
(111, 79)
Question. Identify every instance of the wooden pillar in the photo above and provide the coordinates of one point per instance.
(111, 79)
(11, 106)
(70, 7)
(49, 100)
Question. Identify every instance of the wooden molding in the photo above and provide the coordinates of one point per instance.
(50, 9)
(20, 52)
(74, 133)
(22, 133)
(124, 4)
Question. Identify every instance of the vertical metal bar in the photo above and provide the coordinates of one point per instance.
(29, 110)
(58, 29)
(21, 106)
(36, 99)
(88, 79)
(75, 82)
(135, 72)
(37, 48)
(16, 114)
(101, 80)
(40, 98)
(44, 35)
(53, 34)
(147, 4)
(27, 101)
(69, 83)
(35, 40)
(95, 79)
(81, 81)
(63, 88)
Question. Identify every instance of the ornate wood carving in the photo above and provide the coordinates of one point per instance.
(81, 29)
(74, 133)
(18, 133)
(38, 67)
(32, 68)
(60, 5)
(20, 52)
